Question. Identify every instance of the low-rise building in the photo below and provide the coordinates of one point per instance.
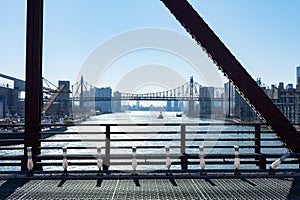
(287, 100)
(10, 92)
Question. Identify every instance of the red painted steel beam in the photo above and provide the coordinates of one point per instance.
(230, 66)
(33, 98)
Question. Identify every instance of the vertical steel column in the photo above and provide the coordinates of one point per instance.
(107, 148)
(33, 100)
(257, 138)
(81, 94)
(229, 99)
(191, 102)
(261, 158)
(183, 157)
(182, 138)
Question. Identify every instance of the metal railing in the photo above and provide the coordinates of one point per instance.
(258, 145)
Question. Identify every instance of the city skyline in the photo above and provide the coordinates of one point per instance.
(236, 125)
(263, 41)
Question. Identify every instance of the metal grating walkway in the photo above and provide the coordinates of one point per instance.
(204, 188)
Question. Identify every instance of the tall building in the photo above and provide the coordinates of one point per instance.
(64, 98)
(236, 106)
(229, 96)
(2, 106)
(116, 104)
(206, 96)
(176, 105)
(103, 100)
(138, 104)
(169, 105)
(298, 77)
(210, 102)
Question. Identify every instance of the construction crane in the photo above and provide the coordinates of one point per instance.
(52, 98)
(53, 92)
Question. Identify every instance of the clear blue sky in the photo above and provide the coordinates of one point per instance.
(263, 35)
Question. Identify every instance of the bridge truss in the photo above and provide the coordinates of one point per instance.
(234, 71)
(198, 29)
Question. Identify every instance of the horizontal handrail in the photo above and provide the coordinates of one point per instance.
(148, 124)
(183, 142)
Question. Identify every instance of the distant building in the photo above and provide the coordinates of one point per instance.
(289, 86)
(176, 105)
(235, 105)
(9, 102)
(172, 105)
(2, 106)
(10, 92)
(138, 104)
(116, 104)
(103, 103)
(169, 105)
(206, 97)
(210, 102)
(64, 98)
(59, 101)
(281, 86)
(298, 78)
(85, 102)
(287, 100)
(18, 84)
(229, 99)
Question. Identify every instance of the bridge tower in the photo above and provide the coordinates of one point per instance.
(191, 101)
(81, 93)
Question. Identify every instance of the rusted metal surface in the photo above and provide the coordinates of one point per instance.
(235, 72)
(33, 100)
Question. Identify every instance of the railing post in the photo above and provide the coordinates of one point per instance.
(99, 162)
(107, 148)
(262, 162)
(257, 135)
(257, 138)
(65, 161)
(183, 157)
(182, 139)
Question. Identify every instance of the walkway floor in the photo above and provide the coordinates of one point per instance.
(150, 187)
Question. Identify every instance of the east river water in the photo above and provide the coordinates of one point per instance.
(135, 117)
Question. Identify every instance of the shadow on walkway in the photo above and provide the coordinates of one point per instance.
(61, 183)
(137, 182)
(10, 186)
(173, 182)
(295, 189)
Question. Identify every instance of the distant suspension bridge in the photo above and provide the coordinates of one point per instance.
(190, 91)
